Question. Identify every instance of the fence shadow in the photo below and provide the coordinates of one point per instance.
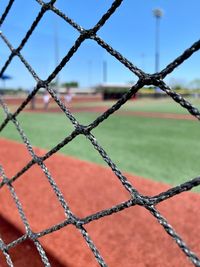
(24, 254)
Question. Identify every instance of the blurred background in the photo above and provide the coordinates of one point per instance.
(142, 31)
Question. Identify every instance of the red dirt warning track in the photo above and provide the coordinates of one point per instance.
(101, 109)
(97, 109)
(126, 239)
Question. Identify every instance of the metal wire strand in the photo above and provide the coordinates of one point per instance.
(135, 198)
(4, 15)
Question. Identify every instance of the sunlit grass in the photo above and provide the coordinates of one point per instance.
(164, 150)
(165, 105)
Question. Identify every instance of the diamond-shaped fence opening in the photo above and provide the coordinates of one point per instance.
(12, 73)
(35, 180)
(72, 10)
(49, 139)
(47, 42)
(71, 220)
(7, 236)
(11, 25)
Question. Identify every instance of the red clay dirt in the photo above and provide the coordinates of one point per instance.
(129, 238)
(10, 100)
(99, 109)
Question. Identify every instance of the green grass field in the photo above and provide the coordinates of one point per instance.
(164, 105)
(161, 149)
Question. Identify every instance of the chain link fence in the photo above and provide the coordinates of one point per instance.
(136, 198)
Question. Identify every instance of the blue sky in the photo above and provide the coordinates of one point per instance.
(131, 31)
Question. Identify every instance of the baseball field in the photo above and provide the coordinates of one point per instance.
(155, 139)
(155, 143)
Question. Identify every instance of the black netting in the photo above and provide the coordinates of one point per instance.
(136, 198)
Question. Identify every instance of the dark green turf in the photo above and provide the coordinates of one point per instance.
(162, 149)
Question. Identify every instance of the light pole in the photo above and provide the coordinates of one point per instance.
(56, 53)
(105, 71)
(158, 13)
(89, 73)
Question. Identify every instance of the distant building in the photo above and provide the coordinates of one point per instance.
(77, 90)
(112, 91)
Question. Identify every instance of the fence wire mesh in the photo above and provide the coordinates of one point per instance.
(136, 198)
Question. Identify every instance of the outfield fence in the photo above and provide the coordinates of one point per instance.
(136, 198)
